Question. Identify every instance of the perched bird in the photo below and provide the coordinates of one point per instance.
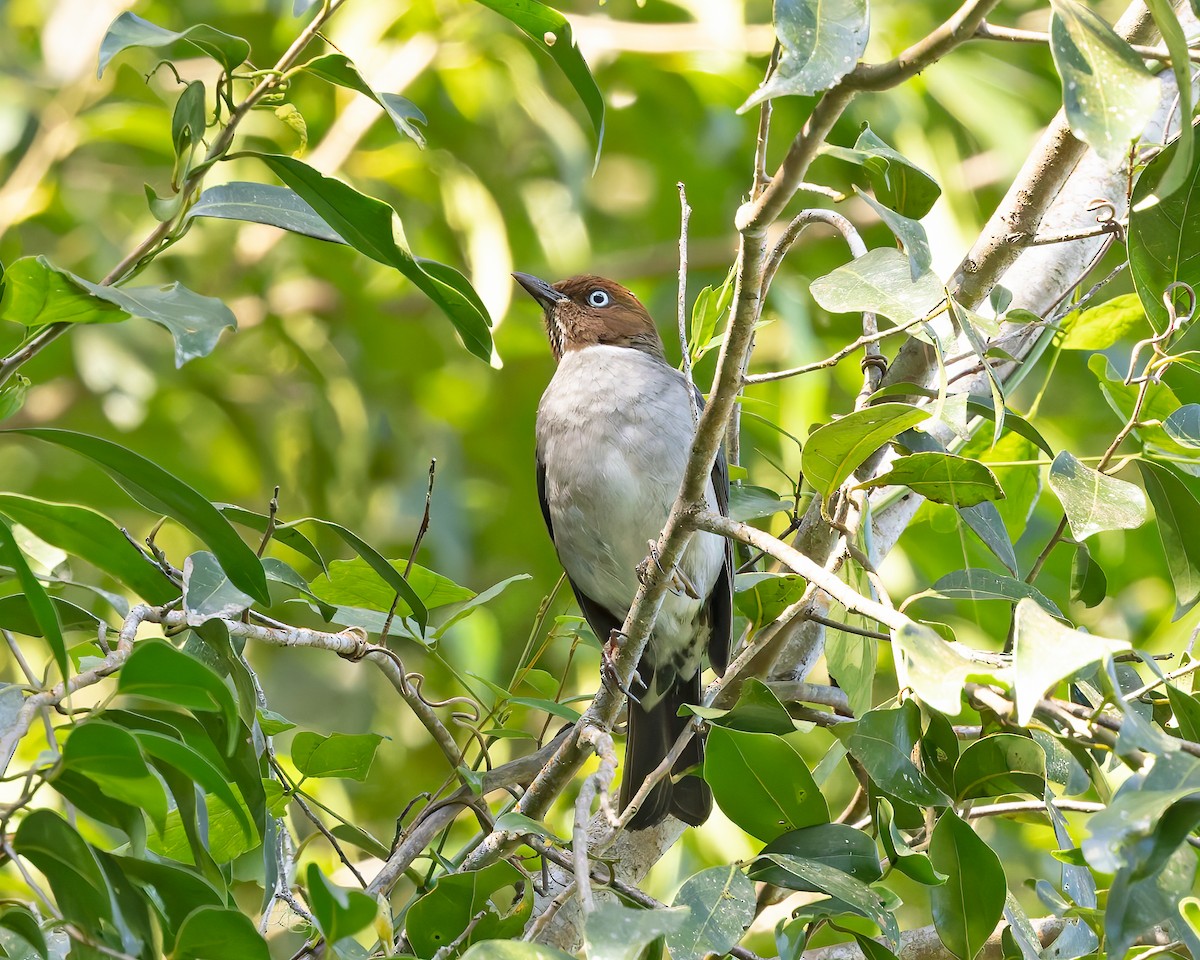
(614, 429)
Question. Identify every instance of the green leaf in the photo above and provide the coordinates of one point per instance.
(208, 593)
(748, 502)
(720, 902)
(1187, 712)
(835, 450)
(339, 912)
(883, 741)
(1089, 585)
(463, 610)
(834, 844)
(347, 756)
(1094, 501)
(35, 598)
(552, 34)
(903, 857)
(337, 68)
(854, 894)
(1108, 93)
(285, 533)
(942, 478)
(354, 583)
(761, 782)
(1177, 514)
(372, 228)
(757, 710)
(263, 203)
(977, 584)
(821, 42)
(1164, 236)
(761, 597)
(12, 395)
(933, 669)
(853, 661)
(614, 931)
(1099, 328)
(69, 865)
(967, 907)
(187, 126)
(985, 522)
(998, 764)
(909, 232)
(710, 306)
(880, 282)
(441, 916)
(157, 671)
(1173, 35)
(85, 533)
(194, 321)
(22, 924)
(37, 293)
(897, 182)
(156, 490)
(110, 756)
(17, 614)
(1183, 426)
(1045, 652)
(349, 833)
(210, 933)
(129, 30)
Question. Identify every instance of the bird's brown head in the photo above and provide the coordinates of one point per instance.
(584, 311)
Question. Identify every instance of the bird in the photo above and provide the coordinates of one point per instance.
(614, 431)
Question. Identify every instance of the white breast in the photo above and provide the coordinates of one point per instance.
(614, 429)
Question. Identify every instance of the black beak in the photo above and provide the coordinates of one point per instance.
(540, 290)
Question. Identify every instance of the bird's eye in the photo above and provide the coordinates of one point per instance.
(598, 298)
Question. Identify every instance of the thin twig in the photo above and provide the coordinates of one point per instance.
(990, 31)
(412, 554)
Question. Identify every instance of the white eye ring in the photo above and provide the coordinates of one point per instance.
(598, 298)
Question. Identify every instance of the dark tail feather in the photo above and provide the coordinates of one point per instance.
(652, 733)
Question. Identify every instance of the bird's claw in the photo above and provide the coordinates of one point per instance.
(608, 669)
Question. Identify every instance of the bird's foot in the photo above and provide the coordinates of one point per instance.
(643, 568)
(681, 585)
(608, 668)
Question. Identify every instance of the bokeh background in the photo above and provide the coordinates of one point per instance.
(342, 382)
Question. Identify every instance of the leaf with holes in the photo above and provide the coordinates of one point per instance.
(720, 901)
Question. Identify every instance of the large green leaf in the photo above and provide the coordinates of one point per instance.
(934, 670)
(551, 31)
(942, 478)
(337, 68)
(1167, 21)
(835, 844)
(1098, 328)
(353, 583)
(720, 901)
(155, 489)
(908, 231)
(977, 584)
(1045, 652)
(208, 593)
(130, 30)
(442, 915)
(834, 451)
(881, 282)
(1108, 93)
(1093, 501)
(158, 671)
(812, 874)
(761, 782)
(85, 533)
(1164, 233)
(194, 321)
(69, 864)
(339, 912)
(998, 764)
(821, 42)
(1178, 516)
(898, 183)
(372, 228)
(614, 931)
(110, 756)
(37, 293)
(883, 742)
(344, 755)
(36, 599)
(211, 932)
(263, 203)
(967, 907)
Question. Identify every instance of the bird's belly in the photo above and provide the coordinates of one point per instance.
(614, 448)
